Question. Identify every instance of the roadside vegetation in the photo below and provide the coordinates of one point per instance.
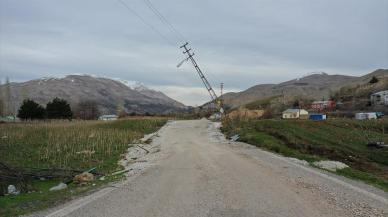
(342, 140)
(63, 145)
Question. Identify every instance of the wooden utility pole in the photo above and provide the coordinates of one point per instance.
(221, 99)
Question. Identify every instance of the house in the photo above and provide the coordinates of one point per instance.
(108, 117)
(379, 98)
(295, 114)
(9, 118)
(317, 117)
(366, 115)
(323, 105)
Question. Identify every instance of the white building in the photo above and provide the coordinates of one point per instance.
(9, 118)
(108, 117)
(295, 114)
(366, 116)
(379, 98)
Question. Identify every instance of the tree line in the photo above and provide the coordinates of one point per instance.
(57, 109)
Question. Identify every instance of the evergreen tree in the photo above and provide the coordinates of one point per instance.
(296, 104)
(1, 107)
(373, 80)
(59, 109)
(30, 110)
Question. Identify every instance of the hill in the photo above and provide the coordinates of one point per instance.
(110, 95)
(315, 87)
(356, 96)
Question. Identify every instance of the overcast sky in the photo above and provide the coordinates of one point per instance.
(240, 43)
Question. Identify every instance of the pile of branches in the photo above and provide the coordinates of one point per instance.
(22, 176)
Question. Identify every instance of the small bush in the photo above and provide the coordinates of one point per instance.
(373, 80)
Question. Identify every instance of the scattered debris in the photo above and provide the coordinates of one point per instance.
(120, 172)
(297, 161)
(83, 177)
(377, 145)
(59, 187)
(215, 116)
(147, 138)
(22, 176)
(235, 138)
(135, 152)
(9, 173)
(86, 152)
(331, 165)
(143, 149)
(215, 133)
(12, 190)
(139, 154)
(102, 178)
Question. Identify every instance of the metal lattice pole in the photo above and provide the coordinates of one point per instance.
(209, 88)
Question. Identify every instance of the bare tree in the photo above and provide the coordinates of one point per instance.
(87, 110)
(7, 98)
(121, 109)
(1, 100)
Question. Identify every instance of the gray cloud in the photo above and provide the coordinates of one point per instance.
(240, 43)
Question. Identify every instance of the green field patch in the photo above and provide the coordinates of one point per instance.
(341, 140)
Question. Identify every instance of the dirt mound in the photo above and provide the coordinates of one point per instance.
(245, 114)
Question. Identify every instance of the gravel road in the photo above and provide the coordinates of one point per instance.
(199, 173)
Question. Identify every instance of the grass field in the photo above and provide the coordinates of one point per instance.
(66, 145)
(341, 140)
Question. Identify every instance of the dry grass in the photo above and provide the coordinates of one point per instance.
(242, 113)
(78, 145)
(75, 145)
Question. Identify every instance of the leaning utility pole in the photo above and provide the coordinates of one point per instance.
(209, 88)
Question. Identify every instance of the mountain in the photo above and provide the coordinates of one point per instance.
(157, 94)
(109, 94)
(141, 88)
(315, 86)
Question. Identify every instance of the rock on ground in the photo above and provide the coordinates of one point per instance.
(297, 161)
(331, 165)
(59, 187)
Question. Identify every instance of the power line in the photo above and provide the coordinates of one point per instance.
(164, 20)
(145, 22)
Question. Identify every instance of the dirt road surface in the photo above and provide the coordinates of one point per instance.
(199, 173)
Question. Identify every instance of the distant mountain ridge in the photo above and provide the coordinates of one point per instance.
(314, 86)
(109, 94)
